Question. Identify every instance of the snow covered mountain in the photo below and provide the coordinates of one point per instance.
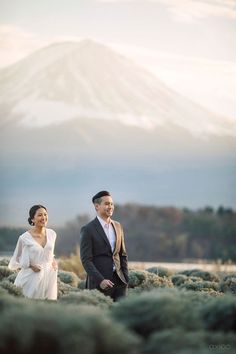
(86, 79)
(76, 118)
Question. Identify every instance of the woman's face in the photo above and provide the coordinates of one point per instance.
(40, 218)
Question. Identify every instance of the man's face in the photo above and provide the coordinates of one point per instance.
(105, 208)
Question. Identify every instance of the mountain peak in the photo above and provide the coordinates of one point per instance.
(87, 79)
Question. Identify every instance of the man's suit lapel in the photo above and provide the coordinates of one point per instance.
(117, 235)
(101, 232)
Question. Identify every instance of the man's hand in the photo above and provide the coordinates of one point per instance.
(35, 268)
(106, 284)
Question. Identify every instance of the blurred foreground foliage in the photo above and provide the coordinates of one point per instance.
(164, 313)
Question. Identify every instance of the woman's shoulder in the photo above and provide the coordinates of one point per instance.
(51, 233)
(25, 237)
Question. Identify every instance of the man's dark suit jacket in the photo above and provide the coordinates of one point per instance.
(97, 256)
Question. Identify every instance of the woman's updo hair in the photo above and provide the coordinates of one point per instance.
(32, 212)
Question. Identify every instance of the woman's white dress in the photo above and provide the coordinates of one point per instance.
(37, 285)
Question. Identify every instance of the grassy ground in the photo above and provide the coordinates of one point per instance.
(166, 311)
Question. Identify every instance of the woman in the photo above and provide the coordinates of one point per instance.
(34, 256)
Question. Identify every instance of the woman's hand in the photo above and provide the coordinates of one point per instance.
(54, 264)
(35, 268)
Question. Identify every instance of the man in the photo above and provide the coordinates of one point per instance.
(103, 252)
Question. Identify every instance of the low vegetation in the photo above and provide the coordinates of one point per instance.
(190, 312)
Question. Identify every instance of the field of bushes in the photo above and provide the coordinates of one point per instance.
(165, 312)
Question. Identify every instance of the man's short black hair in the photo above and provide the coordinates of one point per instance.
(100, 195)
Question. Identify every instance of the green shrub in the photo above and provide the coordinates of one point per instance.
(136, 278)
(64, 289)
(178, 279)
(5, 272)
(11, 278)
(161, 271)
(4, 262)
(221, 341)
(156, 310)
(200, 285)
(153, 281)
(11, 288)
(134, 291)
(228, 284)
(198, 342)
(228, 275)
(198, 298)
(88, 297)
(147, 281)
(8, 301)
(204, 275)
(69, 278)
(44, 327)
(174, 341)
(82, 284)
(3, 292)
(219, 314)
(194, 279)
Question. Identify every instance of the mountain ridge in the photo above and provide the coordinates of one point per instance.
(147, 145)
(70, 80)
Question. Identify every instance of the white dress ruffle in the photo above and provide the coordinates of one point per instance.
(36, 285)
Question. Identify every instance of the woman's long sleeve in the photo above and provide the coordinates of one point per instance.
(20, 258)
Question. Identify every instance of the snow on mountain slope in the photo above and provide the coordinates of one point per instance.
(72, 80)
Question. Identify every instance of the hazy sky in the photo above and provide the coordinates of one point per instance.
(190, 44)
(204, 28)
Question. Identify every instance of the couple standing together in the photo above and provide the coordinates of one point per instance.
(102, 250)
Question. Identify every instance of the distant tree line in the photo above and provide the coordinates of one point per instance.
(8, 238)
(172, 234)
(157, 233)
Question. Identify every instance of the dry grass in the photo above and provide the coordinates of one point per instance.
(73, 264)
(211, 267)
